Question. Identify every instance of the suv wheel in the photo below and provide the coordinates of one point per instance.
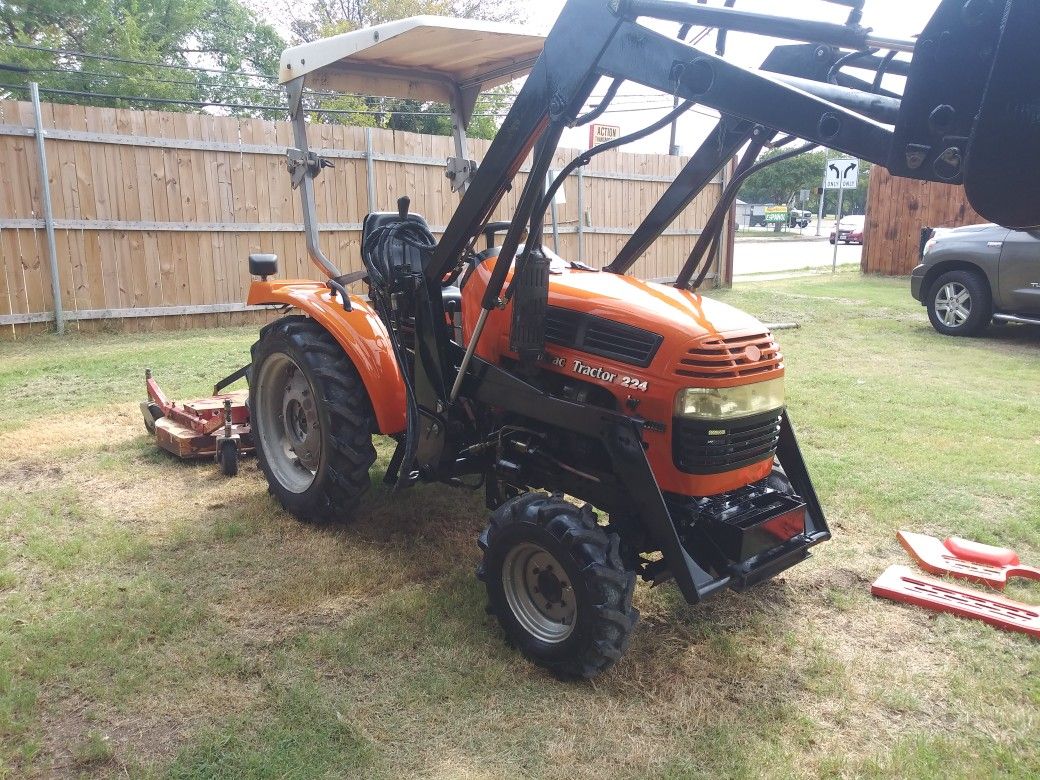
(960, 303)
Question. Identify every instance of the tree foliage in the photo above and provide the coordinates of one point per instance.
(227, 36)
(220, 34)
(783, 181)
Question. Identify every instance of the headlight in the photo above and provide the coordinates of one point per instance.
(730, 403)
(930, 245)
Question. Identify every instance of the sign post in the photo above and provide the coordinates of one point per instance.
(840, 175)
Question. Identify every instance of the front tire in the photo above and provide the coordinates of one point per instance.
(312, 421)
(556, 582)
(960, 303)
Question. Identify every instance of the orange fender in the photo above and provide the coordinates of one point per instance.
(361, 334)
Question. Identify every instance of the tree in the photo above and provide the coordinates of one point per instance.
(781, 182)
(222, 35)
(133, 49)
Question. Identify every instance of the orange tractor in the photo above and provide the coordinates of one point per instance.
(565, 387)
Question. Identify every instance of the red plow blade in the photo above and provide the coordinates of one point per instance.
(901, 584)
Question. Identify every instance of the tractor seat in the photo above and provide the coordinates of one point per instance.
(386, 263)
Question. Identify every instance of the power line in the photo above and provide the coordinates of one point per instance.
(508, 99)
(127, 76)
(202, 84)
(125, 61)
(284, 109)
(243, 106)
(110, 58)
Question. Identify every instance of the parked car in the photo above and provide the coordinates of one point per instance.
(970, 276)
(850, 229)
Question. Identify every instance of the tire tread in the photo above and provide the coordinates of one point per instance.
(351, 453)
(596, 553)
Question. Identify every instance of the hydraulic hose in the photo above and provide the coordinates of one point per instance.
(714, 225)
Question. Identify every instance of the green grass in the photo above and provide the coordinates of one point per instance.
(157, 620)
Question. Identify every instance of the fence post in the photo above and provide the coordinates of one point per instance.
(48, 214)
(581, 214)
(370, 171)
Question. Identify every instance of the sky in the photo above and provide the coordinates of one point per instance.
(892, 18)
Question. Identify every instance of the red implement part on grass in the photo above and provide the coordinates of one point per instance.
(992, 566)
(899, 583)
(195, 429)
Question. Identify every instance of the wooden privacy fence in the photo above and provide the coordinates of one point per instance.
(155, 212)
(897, 209)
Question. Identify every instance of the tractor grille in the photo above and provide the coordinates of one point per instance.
(598, 336)
(705, 447)
(731, 358)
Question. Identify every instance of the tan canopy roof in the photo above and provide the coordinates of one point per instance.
(421, 58)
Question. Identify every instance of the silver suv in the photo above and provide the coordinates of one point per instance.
(972, 275)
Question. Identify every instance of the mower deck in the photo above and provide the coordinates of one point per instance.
(195, 429)
(198, 438)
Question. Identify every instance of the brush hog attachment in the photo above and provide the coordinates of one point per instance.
(217, 427)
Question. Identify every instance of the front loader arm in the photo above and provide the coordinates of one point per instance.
(596, 38)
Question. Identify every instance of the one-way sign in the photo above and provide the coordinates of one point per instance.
(842, 174)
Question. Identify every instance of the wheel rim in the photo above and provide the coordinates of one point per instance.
(953, 304)
(539, 593)
(287, 423)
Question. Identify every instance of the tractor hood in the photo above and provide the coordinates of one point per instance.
(675, 337)
(675, 314)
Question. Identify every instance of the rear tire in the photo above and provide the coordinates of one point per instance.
(960, 303)
(556, 582)
(312, 421)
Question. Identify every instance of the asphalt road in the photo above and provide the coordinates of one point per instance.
(764, 257)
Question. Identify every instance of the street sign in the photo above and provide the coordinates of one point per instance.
(777, 215)
(804, 196)
(601, 134)
(842, 174)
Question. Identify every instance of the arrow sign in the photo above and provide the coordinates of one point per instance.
(842, 175)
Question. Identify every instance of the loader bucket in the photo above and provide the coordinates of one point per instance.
(1002, 167)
